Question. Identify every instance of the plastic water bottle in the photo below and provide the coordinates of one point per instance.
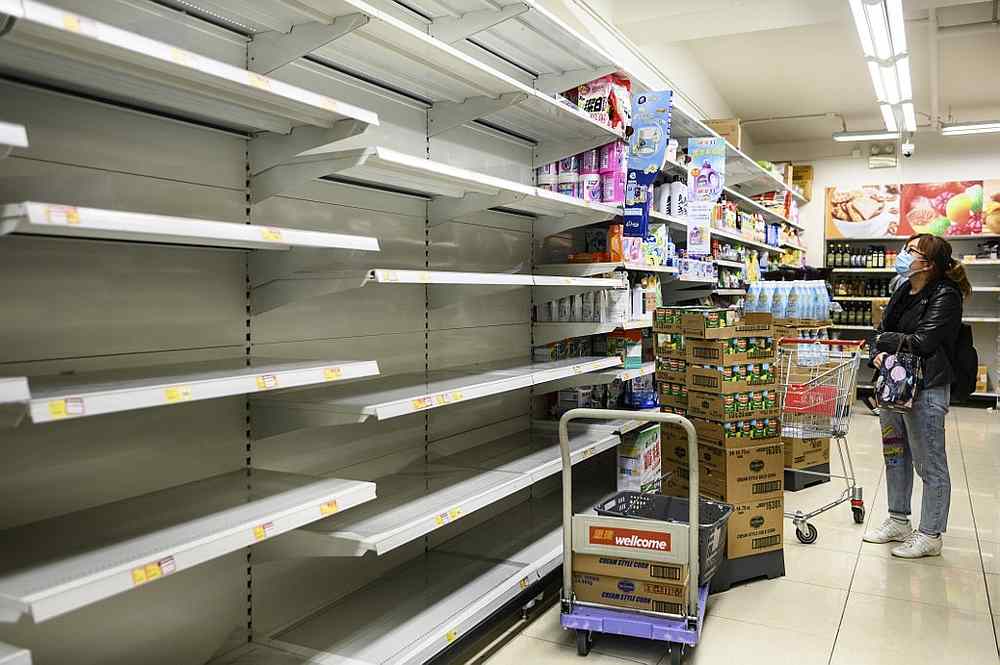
(752, 302)
(779, 305)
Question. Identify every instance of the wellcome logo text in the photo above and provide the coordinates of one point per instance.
(642, 540)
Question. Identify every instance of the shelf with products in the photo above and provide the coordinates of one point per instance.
(736, 237)
(356, 36)
(850, 327)
(68, 221)
(64, 563)
(425, 495)
(69, 396)
(403, 394)
(729, 292)
(11, 655)
(729, 264)
(788, 245)
(45, 43)
(589, 269)
(12, 136)
(884, 271)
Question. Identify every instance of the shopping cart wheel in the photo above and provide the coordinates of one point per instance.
(859, 514)
(809, 536)
(583, 642)
(676, 653)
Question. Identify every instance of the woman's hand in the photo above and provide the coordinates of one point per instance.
(879, 359)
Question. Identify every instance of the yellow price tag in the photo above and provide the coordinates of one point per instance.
(441, 519)
(153, 571)
(57, 408)
(328, 508)
(390, 276)
(421, 403)
(424, 277)
(177, 394)
(332, 373)
(267, 382)
(262, 531)
(180, 57)
(524, 583)
(273, 235)
(456, 396)
(451, 636)
(588, 452)
(455, 513)
(71, 22)
(258, 81)
(62, 215)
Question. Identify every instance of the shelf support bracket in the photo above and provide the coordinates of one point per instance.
(269, 149)
(271, 50)
(550, 151)
(441, 209)
(552, 84)
(451, 29)
(448, 115)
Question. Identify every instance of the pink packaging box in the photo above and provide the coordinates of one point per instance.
(591, 188)
(611, 157)
(590, 161)
(613, 187)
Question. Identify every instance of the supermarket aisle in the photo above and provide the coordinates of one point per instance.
(846, 602)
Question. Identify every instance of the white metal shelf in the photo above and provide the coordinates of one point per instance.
(48, 44)
(847, 327)
(788, 245)
(403, 394)
(678, 223)
(11, 136)
(729, 292)
(427, 495)
(982, 262)
(68, 562)
(864, 270)
(62, 397)
(14, 397)
(981, 319)
(736, 237)
(356, 36)
(749, 205)
(986, 394)
(67, 221)
(599, 378)
(726, 263)
(11, 655)
(860, 298)
(986, 289)
(587, 269)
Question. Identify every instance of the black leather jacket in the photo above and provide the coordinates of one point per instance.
(929, 328)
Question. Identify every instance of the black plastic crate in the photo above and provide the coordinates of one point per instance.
(712, 518)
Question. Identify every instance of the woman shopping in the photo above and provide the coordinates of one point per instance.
(923, 318)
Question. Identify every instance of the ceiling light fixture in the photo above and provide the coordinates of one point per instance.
(874, 135)
(960, 128)
(882, 31)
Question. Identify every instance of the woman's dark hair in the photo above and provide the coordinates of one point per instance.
(937, 251)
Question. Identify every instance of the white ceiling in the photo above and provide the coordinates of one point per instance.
(786, 57)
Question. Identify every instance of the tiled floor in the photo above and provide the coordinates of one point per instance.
(842, 601)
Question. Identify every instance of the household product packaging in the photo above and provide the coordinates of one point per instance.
(805, 453)
(734, 475)
(729, 379)
(629, 593)
(661, 199)
(729, 351)
(729, 129)
(670, 345)
(733, 434)
(678, 199)
(617, 305)
(628, 345)
(639, 468)
(570, 166)
(982, 379)
(612, 158)
(637, 569)
(673, 394)
(568, 187)
(590, 187)
(547, 175)
(613, 187)
(590, 161)
(671, 370)
(739, 406)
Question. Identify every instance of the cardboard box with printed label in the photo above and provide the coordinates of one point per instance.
(730, 351)
(639, 456)
(759, 404)
(730, 379)
(734, 434)
(726, 324)
(673, 394)
(982, 379)
(629, 593)
(729, 129)
(637, 569)
(806, 453)
(756, 527)
(669, 345)
(734, 475)
(671, 370)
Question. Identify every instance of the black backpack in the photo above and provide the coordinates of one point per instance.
(964, 365)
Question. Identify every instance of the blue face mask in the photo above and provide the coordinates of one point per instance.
(903, 261)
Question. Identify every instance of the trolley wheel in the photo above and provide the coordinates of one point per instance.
(859, 514)
(583, 642)
(676, 653)
(810, 535)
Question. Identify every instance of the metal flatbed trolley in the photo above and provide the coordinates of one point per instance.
(818, 379)
(648, 527)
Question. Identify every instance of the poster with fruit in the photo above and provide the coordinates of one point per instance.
(991, 207)
(870, 211)
(955, 208)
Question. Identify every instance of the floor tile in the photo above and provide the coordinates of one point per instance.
(906, 580)
(547, 628)
(525, 649)
(820, 566)
(753, 644)
(993, 585)
(840, 538)
(790, 605)
(886, 631)
(991, 555)
(957, 553)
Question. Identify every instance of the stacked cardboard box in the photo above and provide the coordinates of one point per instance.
(732, 400)
(630, 583)
(671, 359)
(806, 453)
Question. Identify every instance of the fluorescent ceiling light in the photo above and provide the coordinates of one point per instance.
(891, 83)
(874, 135)
(861, 23)
(889, 118)
(957, 129)
(876, 73)
(897, 27)
(903, 78)
(909, 117)
(879, 26)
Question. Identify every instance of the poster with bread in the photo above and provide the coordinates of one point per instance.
(869, 211)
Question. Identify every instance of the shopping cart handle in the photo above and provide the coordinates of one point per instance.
(828, 342)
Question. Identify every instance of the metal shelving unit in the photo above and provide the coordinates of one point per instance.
(12, 136)
(64, 397)
(883, 271)
(11, 655)
(729, 264)
(587, 269)
(402, 394)
(49, 44)
(729, 292)
(66, 221)
(797, 248)
(426, 495)
(68, 562)
(740, 240)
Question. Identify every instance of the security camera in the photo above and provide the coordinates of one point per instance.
(908, 149)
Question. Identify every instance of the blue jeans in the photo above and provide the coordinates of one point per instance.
(916, 441)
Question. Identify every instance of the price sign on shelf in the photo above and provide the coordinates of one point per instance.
(153, 571)
(332, 373)
(271, 235)
(262, 531)
(267, 382)
(421, 403)
(68, 215)
(69, 407)
(328, 508)
(177, 394)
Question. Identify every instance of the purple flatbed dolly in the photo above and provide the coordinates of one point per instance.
(589, 618)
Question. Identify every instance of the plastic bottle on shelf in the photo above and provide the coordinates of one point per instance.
(752, 302)
(779, 302)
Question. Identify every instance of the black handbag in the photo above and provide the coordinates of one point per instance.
(899, 380)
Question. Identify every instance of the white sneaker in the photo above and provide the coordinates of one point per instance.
(919, 545)
(890, 531)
